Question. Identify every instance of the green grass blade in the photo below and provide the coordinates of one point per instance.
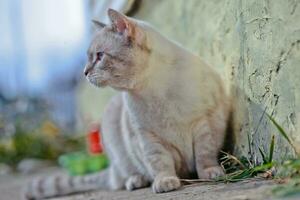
(262, 155)
(280, 129)
(271, 151)
(261, 168)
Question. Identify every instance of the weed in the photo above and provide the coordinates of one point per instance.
(289, 171)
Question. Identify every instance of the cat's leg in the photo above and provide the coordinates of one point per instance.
(58, 185)
(136, 181)
(208, 140)
(160, 165)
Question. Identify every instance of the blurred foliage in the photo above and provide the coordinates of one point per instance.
(28, 113)
(289, 176)
(289, 169)
(44, 142)
(27, 132)
(289, 189)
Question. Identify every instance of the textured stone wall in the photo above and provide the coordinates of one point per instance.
(255, 44)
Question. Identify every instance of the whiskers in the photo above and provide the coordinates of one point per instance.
(94, 76)
(104, 78)
(96, 79)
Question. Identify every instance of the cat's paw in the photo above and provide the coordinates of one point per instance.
(136, 182)
(165, 184)
(211, 172)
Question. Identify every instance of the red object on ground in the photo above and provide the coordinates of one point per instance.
(94, 140)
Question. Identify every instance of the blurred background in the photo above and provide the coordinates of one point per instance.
(46, 105)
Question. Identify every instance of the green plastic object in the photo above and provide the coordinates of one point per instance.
(80, 163)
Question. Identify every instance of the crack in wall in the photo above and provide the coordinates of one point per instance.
(265, 18)
(253, 74)
(294, 7)
(284, 55)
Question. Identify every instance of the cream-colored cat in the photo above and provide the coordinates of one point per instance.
(168, 121)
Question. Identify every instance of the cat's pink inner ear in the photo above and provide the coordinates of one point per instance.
(119, 21)
(121, 26)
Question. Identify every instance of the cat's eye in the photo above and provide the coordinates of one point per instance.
(99, 55)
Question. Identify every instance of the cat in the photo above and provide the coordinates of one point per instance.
(167, 122)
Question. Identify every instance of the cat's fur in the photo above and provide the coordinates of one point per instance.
(167, 122)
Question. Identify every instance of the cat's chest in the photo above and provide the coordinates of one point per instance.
(160, 114)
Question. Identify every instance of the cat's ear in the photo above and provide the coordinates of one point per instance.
(120, 22)
(98, 25)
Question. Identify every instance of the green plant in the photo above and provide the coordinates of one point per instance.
(268, 158)
(281, 131)
(289, 171)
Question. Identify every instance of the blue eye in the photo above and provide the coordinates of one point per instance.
(99, 55)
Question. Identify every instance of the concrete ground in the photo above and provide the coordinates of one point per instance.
(10, 189)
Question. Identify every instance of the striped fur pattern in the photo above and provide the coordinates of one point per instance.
(167, 122)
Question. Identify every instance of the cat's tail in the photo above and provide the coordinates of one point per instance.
(58, 185)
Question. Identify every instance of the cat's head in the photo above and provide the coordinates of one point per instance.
(118, 53)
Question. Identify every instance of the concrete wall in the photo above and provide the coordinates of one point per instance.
(255, 44)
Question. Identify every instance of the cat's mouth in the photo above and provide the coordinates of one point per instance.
(97, 81)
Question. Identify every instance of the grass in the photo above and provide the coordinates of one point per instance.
(268, 158)
(240, 169)
(282, 132)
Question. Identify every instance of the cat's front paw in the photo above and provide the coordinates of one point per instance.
(165, 184)
(211, 172)
(136, 182)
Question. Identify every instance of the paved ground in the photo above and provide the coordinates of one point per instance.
(10, 189)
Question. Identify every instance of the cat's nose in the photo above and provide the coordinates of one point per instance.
(86, 70)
